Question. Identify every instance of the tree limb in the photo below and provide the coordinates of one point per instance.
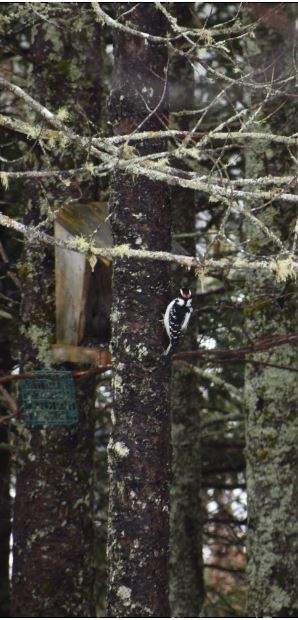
(237, 354)
(81, 245)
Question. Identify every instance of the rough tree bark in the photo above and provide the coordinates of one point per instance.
(5, 502)
(186, 566)
(53, 570)
(139, 449)
(271, 393)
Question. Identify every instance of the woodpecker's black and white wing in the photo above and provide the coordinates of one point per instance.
(166, 318)
(177, 316)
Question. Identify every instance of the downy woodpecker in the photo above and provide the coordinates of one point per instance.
(177, 317)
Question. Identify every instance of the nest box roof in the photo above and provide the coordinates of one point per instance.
(89, 219)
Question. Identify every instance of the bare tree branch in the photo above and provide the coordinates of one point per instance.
(81, 245)
(237, 354)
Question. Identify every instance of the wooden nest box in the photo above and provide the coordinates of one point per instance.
(83, 295)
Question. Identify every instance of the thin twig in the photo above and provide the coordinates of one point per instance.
(77, 374)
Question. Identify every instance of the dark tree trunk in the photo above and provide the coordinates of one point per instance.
(5, 516)
(53, 527)
(271, 393)
(139, 449)
(4, 520)
(186, 565)
(53, 569)
(7, 333)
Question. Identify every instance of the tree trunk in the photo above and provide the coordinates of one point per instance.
(7, 334)
(53, 568)
(186, 566)
(139, 449)
(271, 393)
(5, 508)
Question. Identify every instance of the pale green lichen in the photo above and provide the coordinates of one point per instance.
(80, 243)
(124, 594)
(120, 449)
(283, 268)
(162, 164)
(122, 250)
(33, 132)
(4, 180)
(117, 382)
(128, 152)
(53, 36)
(75, 72)
(40, 341)
(90, 167)
(24, 440)
(142, 351)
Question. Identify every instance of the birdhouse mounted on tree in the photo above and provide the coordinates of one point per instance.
(83, 295)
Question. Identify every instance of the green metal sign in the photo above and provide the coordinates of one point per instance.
(49, 398)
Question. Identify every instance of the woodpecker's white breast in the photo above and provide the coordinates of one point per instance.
(186, 319)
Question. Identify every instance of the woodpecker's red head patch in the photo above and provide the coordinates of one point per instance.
(185, 293)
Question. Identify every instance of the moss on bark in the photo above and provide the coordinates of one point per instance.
(271, 393)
